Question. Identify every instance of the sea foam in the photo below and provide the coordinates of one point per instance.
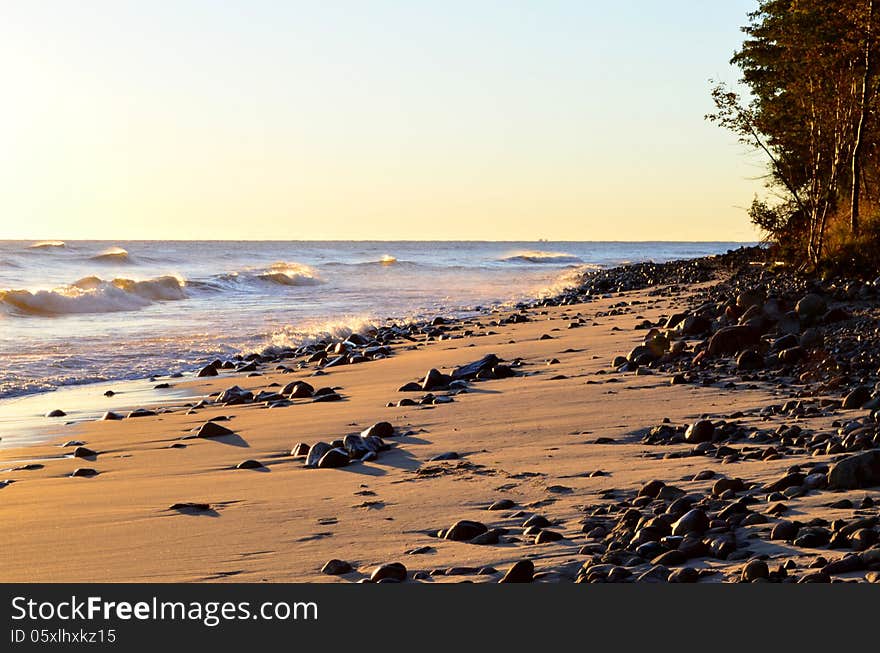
(536, 256)
(94, 295)
(112, 255)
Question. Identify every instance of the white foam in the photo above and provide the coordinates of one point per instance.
(570, 278)
(288, 274)
(47, 244)
(112, 255)
(536, 256)
(289, 337)
(94, 295)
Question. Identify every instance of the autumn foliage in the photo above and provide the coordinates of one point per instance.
(812, 70)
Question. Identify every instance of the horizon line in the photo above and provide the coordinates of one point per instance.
(354, 240)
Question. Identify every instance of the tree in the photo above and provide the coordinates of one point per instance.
(809, 67)
(865, 98)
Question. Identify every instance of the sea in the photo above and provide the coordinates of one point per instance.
(86, 312)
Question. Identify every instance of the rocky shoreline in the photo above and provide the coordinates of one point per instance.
(735, 323)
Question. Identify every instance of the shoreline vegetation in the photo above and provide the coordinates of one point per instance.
(811, 81)
(704, 420)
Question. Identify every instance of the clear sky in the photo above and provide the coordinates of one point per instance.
(565, 120)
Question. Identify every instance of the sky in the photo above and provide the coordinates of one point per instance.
(370, 119)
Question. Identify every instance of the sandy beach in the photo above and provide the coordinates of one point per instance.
(563, 439)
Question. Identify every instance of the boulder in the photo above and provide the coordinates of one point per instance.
(336, 567)
(749, 360)
(811, 306)
(391, 571)
(693, 521)
(471, 370)
(334, 458)
(212, 430)
(857, 398)
(732, 339)
(355, 446)
(380, 430)
(861, 470)
(435, 380)
(207, 370)
(522, 571)
(316, 452)
(701, 431)
(298, 390)
(464, 530)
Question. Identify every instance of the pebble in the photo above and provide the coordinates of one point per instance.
(861, 470)
(701, 431)
(298, 390)
(447, 455)
(336, 567)
(379, 430)
(684, 575)
(83, 452)
(754, 570)
(300, 449)
(190, 505)
(522, 571)
(465, 530)
(207, 370)
(693, 521)
(316, 451)
(547, 536)
(536, 521)
(142, 412)
(492, 536)
(212, 430)
(334, 458)
(784, 530)
(419, 550)
(391, 571)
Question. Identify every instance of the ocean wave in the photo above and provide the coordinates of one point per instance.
(385, 261)
(289, 274)
(281, 273)
(112, 255)
(529, 256)
(570, 278)
(47, 244)
(94, 295)
(290, 337)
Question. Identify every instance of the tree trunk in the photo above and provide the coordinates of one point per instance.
(860, 127)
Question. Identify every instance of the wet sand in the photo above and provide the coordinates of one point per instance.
(531, 439)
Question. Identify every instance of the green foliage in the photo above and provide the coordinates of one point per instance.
(810, 67)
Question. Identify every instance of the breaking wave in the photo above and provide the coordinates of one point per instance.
(529, 256)
(94, 295)
(112, 255)
(292, 337)
(281, 273)
(570, 278)
(289, 274)
(47, 244)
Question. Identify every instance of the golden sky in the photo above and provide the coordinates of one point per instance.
(369, 120)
